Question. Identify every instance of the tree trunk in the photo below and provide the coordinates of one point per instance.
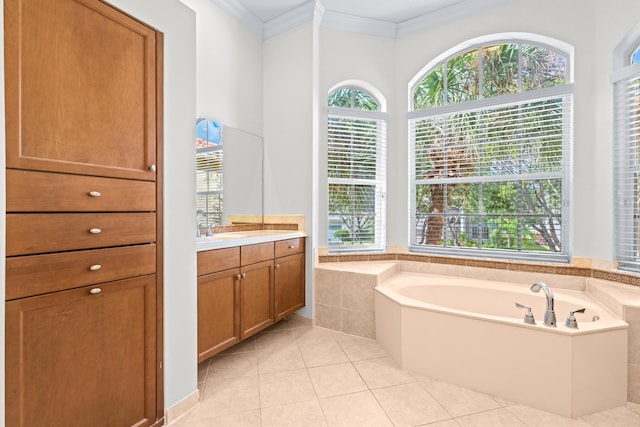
(435, 223)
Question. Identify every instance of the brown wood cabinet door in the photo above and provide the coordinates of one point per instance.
(83, 357)
(289, 285)
(80, 89)
(256, 298)
(218, 312)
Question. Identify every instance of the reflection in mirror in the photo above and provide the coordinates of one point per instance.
(229, 176)
(209, 173)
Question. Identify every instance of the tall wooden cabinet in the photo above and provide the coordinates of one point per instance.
(83, 296)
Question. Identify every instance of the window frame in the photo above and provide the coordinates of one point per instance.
(564, 90)
(381, 118)
(626, 82)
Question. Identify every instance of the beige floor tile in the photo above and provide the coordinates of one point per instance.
(409, 405)
(279, 358)
(494, 418)
(245, 346)
(333, 380)
(634, 407)
(285, 387)
(458, 401)
(619, 417)
(202, 371)
(536, 418)
(321, 354)
(357, 348)
(188, 419)
(239, 419)
(229, 396)
(301, 414)
(224, 366)
(382, 372)
(446, 423)
(352, 410)
(265, 340)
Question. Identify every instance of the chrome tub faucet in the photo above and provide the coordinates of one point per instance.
(549, 315)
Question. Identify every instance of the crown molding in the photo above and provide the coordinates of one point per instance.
(304, 13)
(313, 10)
(242, 14)
(358, 24)
(459, 10)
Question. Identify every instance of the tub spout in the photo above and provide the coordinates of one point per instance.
(549, 315)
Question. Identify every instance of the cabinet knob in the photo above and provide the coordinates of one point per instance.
(238, 276)
(95, 231)
(244, 275)
(277, 265)
(95, 193)
(95, 291)
(95, 267)
(290, 246)
(152, 168)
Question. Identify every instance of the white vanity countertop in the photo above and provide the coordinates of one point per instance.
(240, 238)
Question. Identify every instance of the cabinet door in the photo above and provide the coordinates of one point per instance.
(289, 285)
(218, 312)
(80, 89)
(256, 300)
(84, 357)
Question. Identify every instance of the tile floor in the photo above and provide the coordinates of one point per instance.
(294, 374)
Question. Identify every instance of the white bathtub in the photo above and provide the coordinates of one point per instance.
(469, 332)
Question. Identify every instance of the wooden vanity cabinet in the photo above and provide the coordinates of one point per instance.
(289, 277)
(238, 292)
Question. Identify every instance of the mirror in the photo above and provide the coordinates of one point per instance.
(229, 176)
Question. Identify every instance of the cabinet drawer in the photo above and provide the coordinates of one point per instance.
(218, 260)
(39, 274)
(41, 233)
(29, 191)
(251, 254)
(289, 247)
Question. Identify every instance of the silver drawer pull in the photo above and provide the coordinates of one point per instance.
(95, 231)
(95, 291)
(244, 275)
(238, 276)
(95, 267)
(152, 168)
(290, 246)
(95, 193)
(277, 265)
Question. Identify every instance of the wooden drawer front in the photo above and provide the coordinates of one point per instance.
(289, 247)
(41, 233)
(29, 191)
(251, 254)
(40, 274)
(218, 260)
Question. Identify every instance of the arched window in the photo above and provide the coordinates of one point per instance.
(626, 80)
(490, 138)
(356, 170)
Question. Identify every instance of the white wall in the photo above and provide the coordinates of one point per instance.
(288, 130)
(228, 69)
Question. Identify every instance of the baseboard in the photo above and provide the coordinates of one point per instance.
(182, 407)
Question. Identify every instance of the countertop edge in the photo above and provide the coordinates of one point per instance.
(207, 245)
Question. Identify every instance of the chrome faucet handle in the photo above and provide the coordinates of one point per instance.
(528, 316)
(571, 321)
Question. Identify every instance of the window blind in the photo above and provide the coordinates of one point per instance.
(492, 175)
(209, 180)
(355, 162)
(627, 167)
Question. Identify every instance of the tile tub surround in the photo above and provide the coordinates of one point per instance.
(263, 383)
(617, 291)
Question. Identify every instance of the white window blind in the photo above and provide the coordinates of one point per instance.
(355, 167)
(209, 180)
(627, 167)
(492, 176)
